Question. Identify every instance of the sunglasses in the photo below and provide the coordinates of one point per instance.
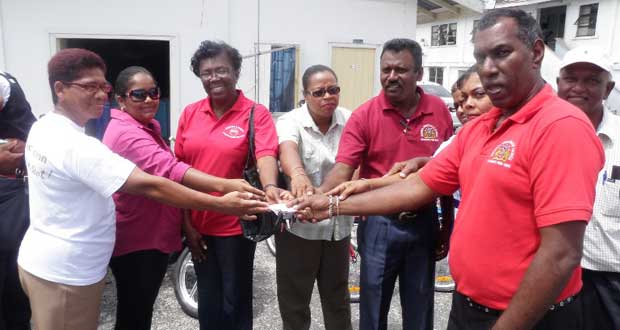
(333, 90)
(139, 95)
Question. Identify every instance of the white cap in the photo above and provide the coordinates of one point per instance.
(590, 54)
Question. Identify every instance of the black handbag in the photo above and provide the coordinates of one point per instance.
(268, 223)
(14, 214)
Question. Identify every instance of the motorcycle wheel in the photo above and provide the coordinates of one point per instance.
(186, 283)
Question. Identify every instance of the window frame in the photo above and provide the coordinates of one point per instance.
(444, 34)
(586, 22)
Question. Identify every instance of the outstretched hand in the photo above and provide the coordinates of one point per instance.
(312, 208)
(242, 204)
(349, 188)
(407, 167)
(241, 185)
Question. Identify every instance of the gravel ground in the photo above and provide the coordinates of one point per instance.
(168, 313)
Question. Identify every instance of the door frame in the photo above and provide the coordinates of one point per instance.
(174, 56)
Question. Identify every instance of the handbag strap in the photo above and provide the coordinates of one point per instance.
(251, 157)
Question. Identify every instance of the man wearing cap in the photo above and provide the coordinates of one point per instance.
(585, 80)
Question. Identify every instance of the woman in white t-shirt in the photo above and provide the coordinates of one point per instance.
(64, 255)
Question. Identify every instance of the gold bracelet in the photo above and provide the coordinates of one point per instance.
(269, 185)
(297, 174)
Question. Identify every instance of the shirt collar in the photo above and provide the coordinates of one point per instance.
(240, 104)
(609, 128)
(308, 122)
(526, 112)
(385, 104)
(127, 118)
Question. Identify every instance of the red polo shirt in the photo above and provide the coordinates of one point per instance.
(538, 169)
(219, 147)
(375, 138)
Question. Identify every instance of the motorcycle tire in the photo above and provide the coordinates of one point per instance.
(186, 284)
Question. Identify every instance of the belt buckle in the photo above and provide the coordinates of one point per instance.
(406, 216)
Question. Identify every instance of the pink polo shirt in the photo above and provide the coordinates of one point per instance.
(142, 223)
(219, 147)
(375, 137)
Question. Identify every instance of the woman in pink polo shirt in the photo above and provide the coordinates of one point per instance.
(146, 230)
(212, 136)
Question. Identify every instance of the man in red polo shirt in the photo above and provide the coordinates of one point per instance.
(400, 123)
(527, 171)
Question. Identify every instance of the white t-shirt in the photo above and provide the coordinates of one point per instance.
(5, 91)
(72, 218)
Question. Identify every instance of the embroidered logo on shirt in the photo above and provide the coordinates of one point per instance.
(503, 154)
(428, 132)
(234, 132)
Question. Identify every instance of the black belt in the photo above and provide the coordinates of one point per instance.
(471, 303)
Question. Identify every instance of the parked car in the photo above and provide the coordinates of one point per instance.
(445, 95)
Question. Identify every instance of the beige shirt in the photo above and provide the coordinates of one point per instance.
(601, 246)
(318, 155)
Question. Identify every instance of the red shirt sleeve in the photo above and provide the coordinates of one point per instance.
(179, 140)
(265, 136)
(563, 185)
(441, 174)
(354, 140)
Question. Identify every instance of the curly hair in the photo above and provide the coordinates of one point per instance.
(121, 86)
(68, 64)
(400, 44)
(529, 29)
(211, 49)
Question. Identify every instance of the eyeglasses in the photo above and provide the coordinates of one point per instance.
(139, 95)
(91, 88)
(217, 72)
(333, 90)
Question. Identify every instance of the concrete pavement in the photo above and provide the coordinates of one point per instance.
(168, 314)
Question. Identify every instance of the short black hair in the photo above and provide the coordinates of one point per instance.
(529, 30)
(67, 65)
(311, 71)
(399, 44)
(211, 49)
(121, 86)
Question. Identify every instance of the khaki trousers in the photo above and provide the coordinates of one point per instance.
(57, 306)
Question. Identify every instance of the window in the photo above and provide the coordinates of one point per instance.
(586, 23)
(444, 34)
(435, 74)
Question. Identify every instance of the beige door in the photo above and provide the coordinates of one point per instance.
(355, 68)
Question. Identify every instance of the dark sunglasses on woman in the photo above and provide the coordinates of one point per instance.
(333, 90)
(139, 95)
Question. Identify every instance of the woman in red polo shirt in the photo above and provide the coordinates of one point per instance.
(212, 137)
(139, 261)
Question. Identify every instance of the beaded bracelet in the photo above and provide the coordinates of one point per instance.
(337, 206)
(330, 210)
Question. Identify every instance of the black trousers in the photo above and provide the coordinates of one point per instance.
(225, 283)
(601, 300)
(465, 317)
(14, 304)
(299, 263)
(138, 278)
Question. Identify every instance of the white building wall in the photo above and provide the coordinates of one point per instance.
(29, 28)
(456, 57)
(452, 58)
